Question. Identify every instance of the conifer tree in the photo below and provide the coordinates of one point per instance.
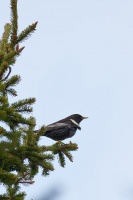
(20, 154)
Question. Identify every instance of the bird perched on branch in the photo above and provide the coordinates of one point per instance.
(64, 128)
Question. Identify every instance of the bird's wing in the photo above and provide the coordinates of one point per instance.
(56, 126)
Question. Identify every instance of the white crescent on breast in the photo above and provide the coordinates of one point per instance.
(74, 122)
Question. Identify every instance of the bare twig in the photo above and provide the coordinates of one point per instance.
(27, 182)
(7, 74)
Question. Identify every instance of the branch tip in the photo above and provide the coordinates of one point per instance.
(36, 23)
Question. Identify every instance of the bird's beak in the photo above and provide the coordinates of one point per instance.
(84, 117)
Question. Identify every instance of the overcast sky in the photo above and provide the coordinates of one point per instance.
(80, 60)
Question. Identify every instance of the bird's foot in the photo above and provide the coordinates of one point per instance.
(59, 142)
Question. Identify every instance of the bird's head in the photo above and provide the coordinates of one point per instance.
(78, 118)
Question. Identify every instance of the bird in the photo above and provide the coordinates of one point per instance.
(64, 128)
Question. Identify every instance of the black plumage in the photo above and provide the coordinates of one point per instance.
(64, 128)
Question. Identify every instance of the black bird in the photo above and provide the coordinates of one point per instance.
(64, 128)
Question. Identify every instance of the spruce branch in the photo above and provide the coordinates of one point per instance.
(7, 177)
(14, 22)
(3, 100)
(61, 158)
(20, 103)
(5, 37)
(68, 154)
(40, 132)
(11, 91)
(13, 192)
(62, 149)
(60, 146)
(3, 197)
(24, 106)
(9, 56)
(3, 68)
(13, 81)
(26, 32)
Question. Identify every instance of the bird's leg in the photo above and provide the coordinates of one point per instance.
(60, 142)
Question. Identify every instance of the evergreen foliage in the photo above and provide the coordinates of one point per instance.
(21, 156)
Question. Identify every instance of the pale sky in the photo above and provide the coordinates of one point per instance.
(80, 60)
